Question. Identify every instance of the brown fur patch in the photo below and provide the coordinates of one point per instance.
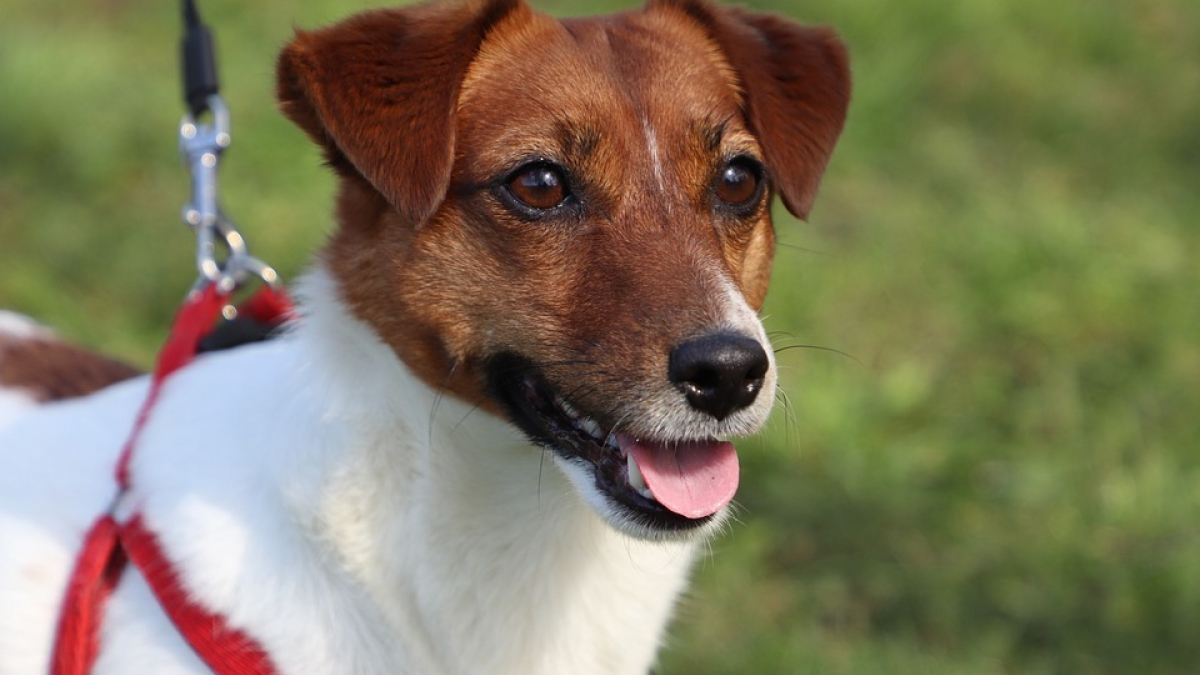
(378, 90)
(51, 370)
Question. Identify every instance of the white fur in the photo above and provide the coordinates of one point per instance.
(317, 494)
(655, 161)
(21, 327)
(13, 404)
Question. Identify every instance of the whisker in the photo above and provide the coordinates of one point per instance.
(541, 466)
(462, 420)
(524, 368)
(819, 348)
(437, 398)
(612, 433)
(802, 249)
(790, 423)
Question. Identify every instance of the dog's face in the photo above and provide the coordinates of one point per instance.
(567, 223)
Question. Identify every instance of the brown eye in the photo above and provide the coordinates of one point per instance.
(538, 186)
(739, 183)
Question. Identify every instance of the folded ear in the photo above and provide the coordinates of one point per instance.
(378, 92)
(796, 80)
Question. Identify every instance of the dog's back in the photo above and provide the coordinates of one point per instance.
(37, 367)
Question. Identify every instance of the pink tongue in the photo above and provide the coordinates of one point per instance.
(694, 479)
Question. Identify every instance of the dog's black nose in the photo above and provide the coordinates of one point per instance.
(719, 373)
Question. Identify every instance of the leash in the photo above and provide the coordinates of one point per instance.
(224, 265)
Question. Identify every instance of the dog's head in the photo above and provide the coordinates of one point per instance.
(567, 223)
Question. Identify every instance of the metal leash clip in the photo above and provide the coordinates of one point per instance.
(222, 256)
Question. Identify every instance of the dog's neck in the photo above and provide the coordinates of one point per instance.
(458, 529)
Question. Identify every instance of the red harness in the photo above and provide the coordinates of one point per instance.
(109, 545)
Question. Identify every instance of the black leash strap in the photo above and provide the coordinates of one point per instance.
(199, 61)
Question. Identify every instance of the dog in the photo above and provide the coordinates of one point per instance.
(497, 431)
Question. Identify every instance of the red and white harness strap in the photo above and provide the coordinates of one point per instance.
(110, 545)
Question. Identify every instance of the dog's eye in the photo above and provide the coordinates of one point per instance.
(739, 184)
(538, 186)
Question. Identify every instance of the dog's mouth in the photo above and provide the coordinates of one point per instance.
(661, 484)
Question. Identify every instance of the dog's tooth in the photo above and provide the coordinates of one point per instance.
(636, 481)
(590, 427)
(568, 409)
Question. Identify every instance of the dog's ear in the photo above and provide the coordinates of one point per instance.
(378, 92)
(796, 80)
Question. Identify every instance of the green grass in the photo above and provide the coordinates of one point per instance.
(1003, 477)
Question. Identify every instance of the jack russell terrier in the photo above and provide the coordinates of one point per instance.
(497, 430)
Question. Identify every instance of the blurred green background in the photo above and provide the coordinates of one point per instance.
(1004, 474)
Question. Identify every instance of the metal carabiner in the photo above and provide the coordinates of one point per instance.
(201, 146)
(238, 265)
